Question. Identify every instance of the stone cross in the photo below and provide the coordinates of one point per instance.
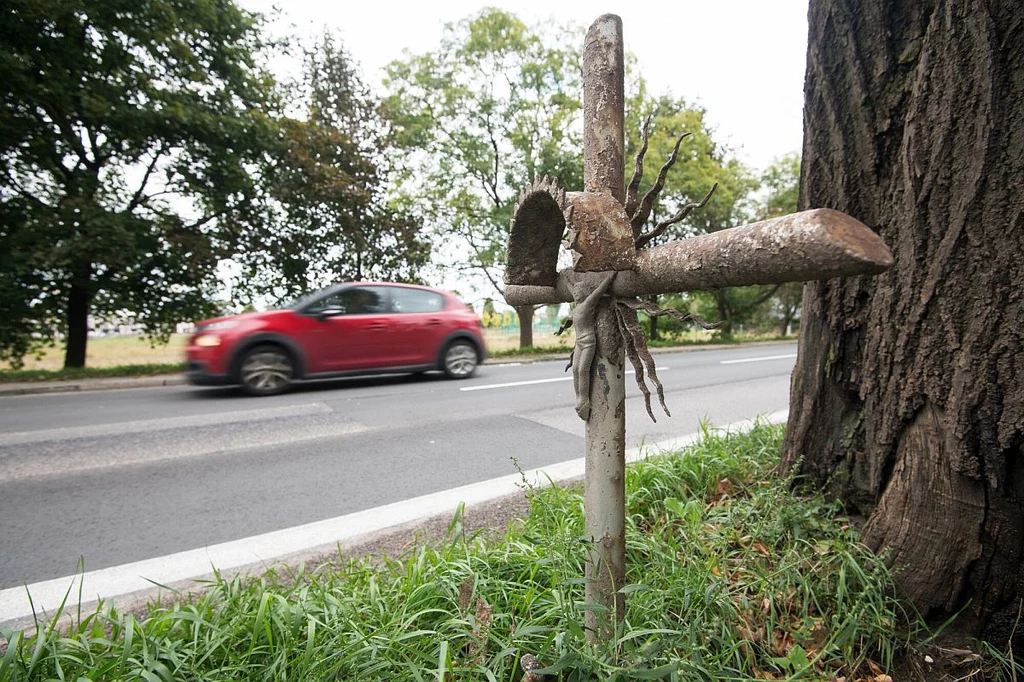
(609, 272)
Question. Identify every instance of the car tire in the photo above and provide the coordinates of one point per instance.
(460, 360)
(266, 370)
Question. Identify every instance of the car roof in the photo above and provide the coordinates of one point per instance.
(407, 285)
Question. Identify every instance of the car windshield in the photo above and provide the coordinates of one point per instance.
(301, 301)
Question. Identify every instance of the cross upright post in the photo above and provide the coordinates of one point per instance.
(605, 484)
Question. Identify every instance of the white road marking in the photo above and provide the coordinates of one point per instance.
(261, 551)
(515, 383)
(761, 359)
(511, 384)
(144, 425)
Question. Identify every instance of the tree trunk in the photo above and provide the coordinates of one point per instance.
(77, 324)
(908, 395)
(724, 314)
(525, 313)
(652, 321)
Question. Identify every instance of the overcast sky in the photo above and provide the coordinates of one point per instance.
(743, 60)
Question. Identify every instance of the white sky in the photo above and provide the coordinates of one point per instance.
(743, 60)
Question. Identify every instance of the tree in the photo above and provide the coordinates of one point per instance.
(700, 164)
(908, 399)
(126, 140)
(329, 215)
(494, 107)
(782, 181)
(729, 206)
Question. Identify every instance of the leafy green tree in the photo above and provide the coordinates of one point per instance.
(127, 138)
(700, 164)
(330, 215)
(782, 182)
(731, 306)
(494, 107)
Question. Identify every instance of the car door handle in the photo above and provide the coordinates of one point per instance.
(377, 326)
(433, 322)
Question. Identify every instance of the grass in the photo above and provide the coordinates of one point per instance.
(112, 356)
(730, 577)
(113, 351)
(152, 369)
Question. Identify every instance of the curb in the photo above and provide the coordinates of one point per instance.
(44, 387)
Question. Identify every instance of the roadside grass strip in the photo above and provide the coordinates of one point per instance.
(78, 373)
(731, 576)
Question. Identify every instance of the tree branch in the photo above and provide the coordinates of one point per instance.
(138, 197)
(764, 297)
(644, 212)
(638, 174)
(686, 210)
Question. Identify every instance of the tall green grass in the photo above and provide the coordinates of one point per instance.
(730, 577)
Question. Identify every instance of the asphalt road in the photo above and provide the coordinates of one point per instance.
(112, 477)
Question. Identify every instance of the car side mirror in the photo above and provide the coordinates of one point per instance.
(329, 312)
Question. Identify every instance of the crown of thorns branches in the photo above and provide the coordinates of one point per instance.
(626, 308)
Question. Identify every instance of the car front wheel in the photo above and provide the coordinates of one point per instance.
(266, 370)
(460, 360)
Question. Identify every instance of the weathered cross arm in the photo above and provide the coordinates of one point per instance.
(810, 245)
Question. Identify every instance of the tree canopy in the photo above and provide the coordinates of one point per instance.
(328, 206)
(124, 143)
(494, 106)
(143, 145)
(781, 180)
(499, 104)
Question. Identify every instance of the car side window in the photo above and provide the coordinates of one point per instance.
(353, 301)
(416, 301)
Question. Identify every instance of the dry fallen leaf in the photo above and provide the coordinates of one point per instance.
(783, 643)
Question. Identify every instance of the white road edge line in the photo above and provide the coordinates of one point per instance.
(761, 359)
(264, 550)
(535, 381)
(166, 423)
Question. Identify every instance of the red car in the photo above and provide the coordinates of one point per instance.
(346, 329)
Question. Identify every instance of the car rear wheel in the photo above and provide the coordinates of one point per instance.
(266, 370)
(460, 360)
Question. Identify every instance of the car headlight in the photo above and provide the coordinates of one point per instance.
(208, 340)
(224, 324)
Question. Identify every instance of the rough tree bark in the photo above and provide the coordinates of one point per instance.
(908, 395)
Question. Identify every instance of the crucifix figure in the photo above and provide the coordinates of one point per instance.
(588, 290)
(613, 264)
